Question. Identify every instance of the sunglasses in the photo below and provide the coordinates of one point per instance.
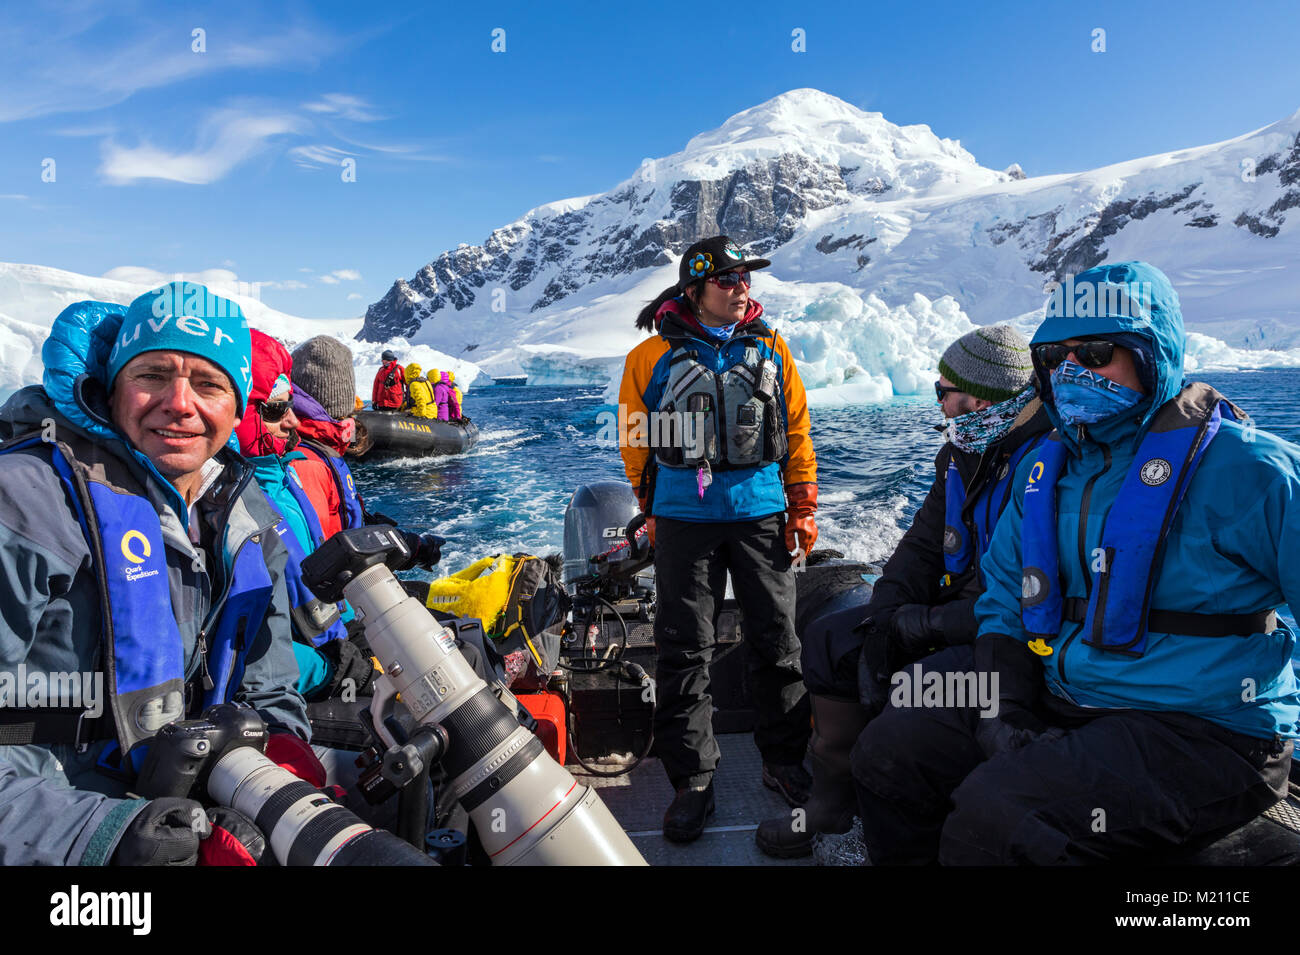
(941, 390)
(273, 411)
(1094, 354)
(729, 280)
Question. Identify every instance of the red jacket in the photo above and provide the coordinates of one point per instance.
(383, 395)
(270, 359)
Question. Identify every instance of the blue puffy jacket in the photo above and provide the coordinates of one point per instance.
(1232, 548)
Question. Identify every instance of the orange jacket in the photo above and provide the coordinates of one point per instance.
(645, 376)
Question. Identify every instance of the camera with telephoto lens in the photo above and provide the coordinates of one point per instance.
(181, 754)
(525, 807)
(222, 756)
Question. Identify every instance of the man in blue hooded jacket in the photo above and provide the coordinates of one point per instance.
(136, 557)
(1144, 698)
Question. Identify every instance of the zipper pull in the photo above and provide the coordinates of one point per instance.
(203, 660)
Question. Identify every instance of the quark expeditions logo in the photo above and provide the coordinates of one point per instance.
(1099, 299)
(136, 549)
(1035, 475)
(1156, 472)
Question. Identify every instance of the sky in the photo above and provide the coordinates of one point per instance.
(324, 150)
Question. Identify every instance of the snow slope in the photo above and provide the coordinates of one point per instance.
(32, 296)
(863, 218)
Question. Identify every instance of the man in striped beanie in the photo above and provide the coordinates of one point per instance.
(925, 598)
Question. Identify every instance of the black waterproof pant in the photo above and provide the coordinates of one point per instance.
(691, 564)
(1120, 784)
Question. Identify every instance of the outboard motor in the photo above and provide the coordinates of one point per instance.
(596, 520)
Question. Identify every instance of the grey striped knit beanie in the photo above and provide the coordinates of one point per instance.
(322, 367)
(992, 363)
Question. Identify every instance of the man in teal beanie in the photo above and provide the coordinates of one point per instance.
(138, 556)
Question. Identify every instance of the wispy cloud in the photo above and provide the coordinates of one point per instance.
(317, 155)
(226, 138)
(341, 275)
(223, 281)
(344, 106)
(72, 57)
(353, 296)
(13, 195)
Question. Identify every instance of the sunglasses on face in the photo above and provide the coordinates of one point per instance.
(941, 390)
(729, 280)
(273, 411)
(1096, 354)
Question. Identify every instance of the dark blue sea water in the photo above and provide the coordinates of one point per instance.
(875, 463)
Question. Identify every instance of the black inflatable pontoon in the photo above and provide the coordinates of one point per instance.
(391, 433)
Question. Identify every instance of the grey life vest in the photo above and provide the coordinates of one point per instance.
(722, 421)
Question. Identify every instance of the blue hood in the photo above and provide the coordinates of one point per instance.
(76, 362)
(1127, 297)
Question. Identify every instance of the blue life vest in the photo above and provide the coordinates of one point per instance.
(958, 552)
(353, 513)
(1132, 536)
(142, 648)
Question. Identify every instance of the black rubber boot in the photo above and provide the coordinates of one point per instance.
(684, 819)
(833, 804)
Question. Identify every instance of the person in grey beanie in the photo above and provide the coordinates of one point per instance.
(322, 366)
(925, 598)
(324, 400)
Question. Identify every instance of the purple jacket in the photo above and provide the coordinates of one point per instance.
(445, 397)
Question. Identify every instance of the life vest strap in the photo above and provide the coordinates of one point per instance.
(1190, 624)
(48, 726)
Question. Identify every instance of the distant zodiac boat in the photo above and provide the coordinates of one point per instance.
(389, 433)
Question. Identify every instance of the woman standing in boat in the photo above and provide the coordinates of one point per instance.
(735, 490)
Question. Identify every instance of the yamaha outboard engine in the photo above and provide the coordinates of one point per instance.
(595, 521)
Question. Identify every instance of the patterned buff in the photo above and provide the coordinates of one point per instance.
(722, 333)
(977, 430)
(1083, 397)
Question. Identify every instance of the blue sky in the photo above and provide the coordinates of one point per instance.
(175, 160)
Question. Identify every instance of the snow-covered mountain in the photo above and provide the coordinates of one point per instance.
(31, 297)
(862, 219)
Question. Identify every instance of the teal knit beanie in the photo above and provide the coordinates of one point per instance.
(186, 317)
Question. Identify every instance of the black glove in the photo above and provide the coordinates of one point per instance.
(916, 630)
(1019, 682)
(426, 549)
(234, 839)
(1011, 730)
(348, 662)
(876, 664)
(375, 517)
(164, 832)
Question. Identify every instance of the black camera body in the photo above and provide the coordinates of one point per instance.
(181, 754)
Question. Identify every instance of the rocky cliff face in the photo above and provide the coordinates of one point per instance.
(835, 194)
(754, 179)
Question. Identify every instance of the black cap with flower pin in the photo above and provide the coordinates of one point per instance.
(711, 256)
